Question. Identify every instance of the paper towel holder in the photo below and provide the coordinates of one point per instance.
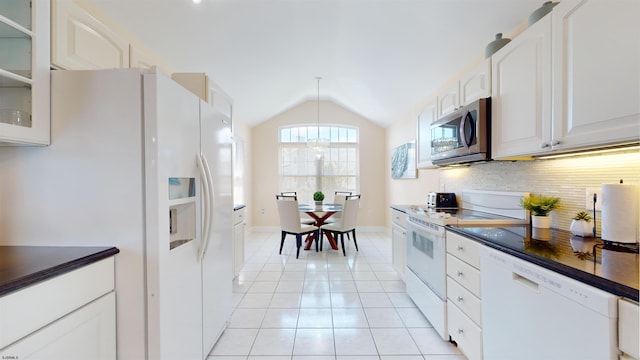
(618, 202)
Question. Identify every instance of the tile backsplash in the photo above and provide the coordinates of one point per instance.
(566, 178)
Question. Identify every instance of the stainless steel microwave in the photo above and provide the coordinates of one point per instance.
(463, 136)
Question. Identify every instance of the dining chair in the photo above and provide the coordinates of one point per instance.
(290, 222)
(291, 195)
(338, 198)
(346, 225)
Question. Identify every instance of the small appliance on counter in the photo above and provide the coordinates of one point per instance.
(438, 200)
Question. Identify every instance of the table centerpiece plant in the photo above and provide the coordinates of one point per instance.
(318, 197)
(540, 207)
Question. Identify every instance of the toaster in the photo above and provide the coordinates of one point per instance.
(438, 200)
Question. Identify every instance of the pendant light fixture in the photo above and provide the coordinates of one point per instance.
(318, 144)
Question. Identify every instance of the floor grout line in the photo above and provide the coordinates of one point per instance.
(339, 275)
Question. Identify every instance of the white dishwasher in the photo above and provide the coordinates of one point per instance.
(531, 313)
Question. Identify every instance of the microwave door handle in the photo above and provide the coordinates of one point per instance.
(466, 118)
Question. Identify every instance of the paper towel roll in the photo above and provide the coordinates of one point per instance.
(620, 213)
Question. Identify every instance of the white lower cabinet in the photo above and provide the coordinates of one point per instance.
(70, 316)
(465, 332)
(398, 241)
(238, 241)
(628, 329)
(464, 304)
(87, 333)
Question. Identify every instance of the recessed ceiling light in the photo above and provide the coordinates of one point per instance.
(197, 1)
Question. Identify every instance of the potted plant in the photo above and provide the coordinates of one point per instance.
(318, 197)
(581, 225)
(540, 207)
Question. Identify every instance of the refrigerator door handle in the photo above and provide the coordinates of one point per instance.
(204, 183)
(207, 235)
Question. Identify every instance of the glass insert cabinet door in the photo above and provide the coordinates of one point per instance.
(24, 72)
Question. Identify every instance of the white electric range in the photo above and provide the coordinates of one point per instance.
(426, 245)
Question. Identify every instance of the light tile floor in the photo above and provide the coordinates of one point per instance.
(325, 306)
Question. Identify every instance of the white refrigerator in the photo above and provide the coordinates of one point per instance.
(138, 162)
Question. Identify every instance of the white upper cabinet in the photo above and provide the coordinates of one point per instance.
(428, 115)
(24, 72)
(596, 73)
(476, 84)
(139, 57)
(82, 42)
(449, 99)
(521, 93)
(473, 85)
(569, 82)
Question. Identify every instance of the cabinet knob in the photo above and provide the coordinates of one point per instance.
(555, 142)
(459, 247)
(460, 331)
(459, 299)
(460, 273)
(544, 145)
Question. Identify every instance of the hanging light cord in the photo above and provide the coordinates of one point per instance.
(318, 78)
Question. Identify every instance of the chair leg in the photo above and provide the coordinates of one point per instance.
(282, 242)
(321, 237)
(317, 235)
(344, 252)
(298, 244)
(354, 239)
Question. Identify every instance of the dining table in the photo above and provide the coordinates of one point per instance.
(320, 214)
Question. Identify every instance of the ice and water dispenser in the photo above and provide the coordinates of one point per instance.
(182, 211)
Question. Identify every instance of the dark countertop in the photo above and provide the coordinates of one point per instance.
(611, 268)
(238, 207)
(21, 266)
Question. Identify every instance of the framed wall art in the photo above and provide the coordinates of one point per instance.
(403, 161)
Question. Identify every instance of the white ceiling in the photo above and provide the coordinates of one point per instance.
(378, 58)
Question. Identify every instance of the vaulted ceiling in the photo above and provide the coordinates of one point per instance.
(378, 58)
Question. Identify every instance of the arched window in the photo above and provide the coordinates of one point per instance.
(302, 171)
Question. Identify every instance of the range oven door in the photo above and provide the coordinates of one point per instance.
(426, 255)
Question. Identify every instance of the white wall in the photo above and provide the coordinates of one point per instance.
(264, 162)
(408, 191)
